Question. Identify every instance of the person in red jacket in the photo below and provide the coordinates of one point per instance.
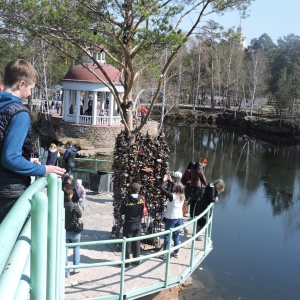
(143, 112)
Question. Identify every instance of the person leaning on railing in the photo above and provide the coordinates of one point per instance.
(16, 164)
(198, 182)
(210, 195)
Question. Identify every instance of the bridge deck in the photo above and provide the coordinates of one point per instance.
(101, 281)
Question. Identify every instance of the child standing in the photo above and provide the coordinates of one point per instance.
(80, 192)
(53, 155)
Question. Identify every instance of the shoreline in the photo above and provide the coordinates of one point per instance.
(260, 127)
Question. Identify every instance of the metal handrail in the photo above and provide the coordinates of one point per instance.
(27, 235)
(33, 247)
(194, 261)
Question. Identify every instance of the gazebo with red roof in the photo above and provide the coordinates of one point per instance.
(85, 96)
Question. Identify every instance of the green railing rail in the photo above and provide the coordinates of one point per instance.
(32, 247)
(32, 243)
(194, 260)
(95, 164)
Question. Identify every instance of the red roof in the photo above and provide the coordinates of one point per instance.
(79, 73)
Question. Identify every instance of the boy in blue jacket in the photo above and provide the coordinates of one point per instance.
(16, 164)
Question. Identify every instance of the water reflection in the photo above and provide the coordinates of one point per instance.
(249, 162)
(256, 228)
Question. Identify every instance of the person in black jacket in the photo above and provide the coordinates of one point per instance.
(132, 208)
(68, 183)
(210, 195)
(71, 236)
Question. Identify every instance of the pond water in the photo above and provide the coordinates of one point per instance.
(256, 228)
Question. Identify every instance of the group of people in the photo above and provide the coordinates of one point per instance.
(53, 154)
(196, 191)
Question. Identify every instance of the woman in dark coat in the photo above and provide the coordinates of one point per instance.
(210, 195)
(198, 182)
(71, 236)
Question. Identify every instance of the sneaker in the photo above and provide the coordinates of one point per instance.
(163, 256)
(75, 271)
(199, 238)
(136, 263)
(174, 254)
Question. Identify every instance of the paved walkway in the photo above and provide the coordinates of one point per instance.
(100, 281)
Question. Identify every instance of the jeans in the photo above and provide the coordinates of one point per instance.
(171, 223)
(72, 237)
(69, 167)
(132, 230)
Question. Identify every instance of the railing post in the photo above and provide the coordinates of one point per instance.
(15, 265)
(95, 165)
(193, 244)
(168, 256)
(60, 243)
(63, 257)
(122, 267)
(38, 268)
(52, 240)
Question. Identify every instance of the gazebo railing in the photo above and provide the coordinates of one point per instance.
(100, 120)
(104, 120)
(85, 120)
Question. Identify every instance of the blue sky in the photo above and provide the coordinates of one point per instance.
(277, 18)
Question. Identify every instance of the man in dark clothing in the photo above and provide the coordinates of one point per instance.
(132, 208)
(69, 157)
(210, 195)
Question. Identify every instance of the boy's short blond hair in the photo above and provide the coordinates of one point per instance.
(17, 70)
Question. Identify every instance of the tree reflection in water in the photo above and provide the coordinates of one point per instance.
(256, 222)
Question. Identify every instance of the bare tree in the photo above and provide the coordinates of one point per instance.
(256, 66)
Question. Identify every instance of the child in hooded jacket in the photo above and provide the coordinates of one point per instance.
(80, 192)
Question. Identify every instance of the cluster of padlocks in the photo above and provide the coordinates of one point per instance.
(141, 159)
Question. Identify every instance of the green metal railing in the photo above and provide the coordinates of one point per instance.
(32, 242)
(194, 260)
(95, 165)
(32, 247)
